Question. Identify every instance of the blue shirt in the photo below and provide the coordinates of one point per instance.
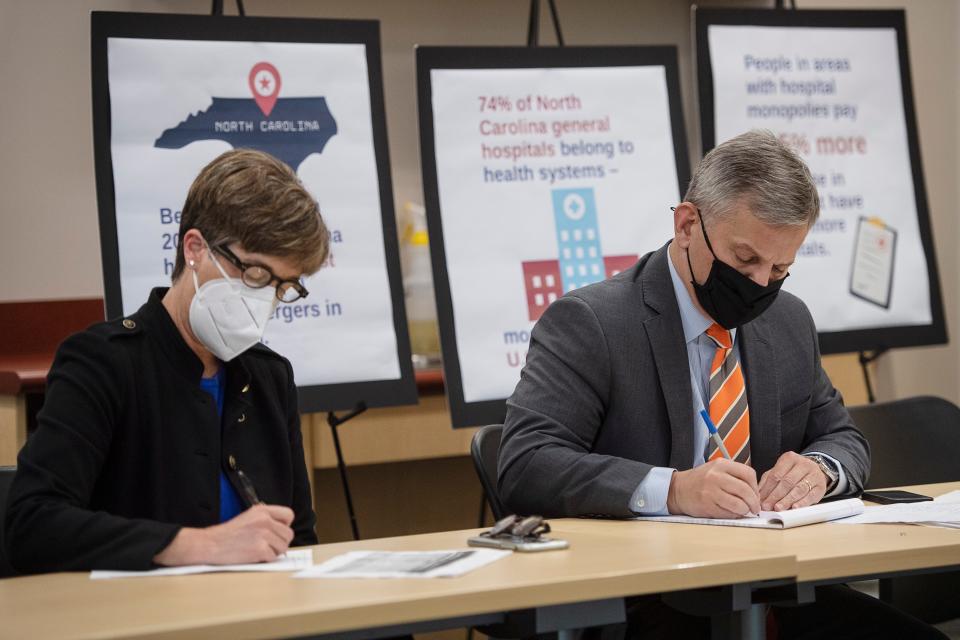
(230, 504)
(650, 497)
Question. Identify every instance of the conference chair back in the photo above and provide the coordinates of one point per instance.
(484, 449)
(6, 479)
(915, 441)
(912, 441)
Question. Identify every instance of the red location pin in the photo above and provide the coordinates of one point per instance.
(265, 85)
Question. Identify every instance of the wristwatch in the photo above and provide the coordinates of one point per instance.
(828, 470)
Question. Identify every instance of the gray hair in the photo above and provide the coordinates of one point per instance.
(759, 168)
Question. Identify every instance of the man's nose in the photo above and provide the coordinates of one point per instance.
(761, 274)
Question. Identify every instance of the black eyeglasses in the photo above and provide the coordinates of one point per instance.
(258, 277)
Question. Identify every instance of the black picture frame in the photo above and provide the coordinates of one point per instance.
(463, 413)
(105, 25)
(852, 340)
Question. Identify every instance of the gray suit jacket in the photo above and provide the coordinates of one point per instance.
(605, 395)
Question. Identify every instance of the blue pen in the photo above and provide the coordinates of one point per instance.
(712, 428)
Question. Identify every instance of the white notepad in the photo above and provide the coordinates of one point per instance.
(824, 512)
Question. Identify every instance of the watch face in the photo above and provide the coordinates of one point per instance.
(820, 462)
(828, 471)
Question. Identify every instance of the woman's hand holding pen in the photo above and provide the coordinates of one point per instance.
(259, 534)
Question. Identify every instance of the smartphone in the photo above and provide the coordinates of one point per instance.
(894, 497)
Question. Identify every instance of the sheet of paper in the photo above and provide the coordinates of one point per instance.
(404, 564)
(951, 497)
(777, 519)
(293, 560)
(914, 513)
(941, 525)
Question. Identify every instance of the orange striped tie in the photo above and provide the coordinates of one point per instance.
(728, 399)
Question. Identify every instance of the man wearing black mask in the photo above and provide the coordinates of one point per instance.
(606, 417)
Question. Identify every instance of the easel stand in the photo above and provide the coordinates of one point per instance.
(216, 8)
(865, 361)
(335, 421)
(533, 26)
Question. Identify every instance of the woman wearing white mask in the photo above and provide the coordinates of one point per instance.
(172, 436)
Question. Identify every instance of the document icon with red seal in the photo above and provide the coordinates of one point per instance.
(873, 255)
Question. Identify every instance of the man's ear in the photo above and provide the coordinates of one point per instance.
(684, 220)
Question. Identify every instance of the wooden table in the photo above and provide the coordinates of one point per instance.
(582, 586)
(830, 553)
(840, 553)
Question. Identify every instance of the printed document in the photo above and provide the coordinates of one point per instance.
(404, 564)
(943, 511)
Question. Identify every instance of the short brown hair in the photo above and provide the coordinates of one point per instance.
(250, 197)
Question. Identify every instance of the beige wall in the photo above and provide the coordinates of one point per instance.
(49, 246)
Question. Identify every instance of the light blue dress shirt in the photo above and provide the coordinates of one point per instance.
(650, 497)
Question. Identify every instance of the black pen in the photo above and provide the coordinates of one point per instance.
(248, 489)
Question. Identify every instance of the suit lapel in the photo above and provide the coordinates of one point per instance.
(665, 333)
(763, 395)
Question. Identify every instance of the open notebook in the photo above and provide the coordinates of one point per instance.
(778, 519)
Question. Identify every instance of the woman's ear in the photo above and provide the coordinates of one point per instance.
(194, 248)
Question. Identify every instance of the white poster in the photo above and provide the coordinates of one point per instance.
(835, 96)
(176, 105)
(549, 180)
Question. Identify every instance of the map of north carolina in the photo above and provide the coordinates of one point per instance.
(295, 128)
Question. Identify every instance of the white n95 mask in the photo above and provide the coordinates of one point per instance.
(227, 316)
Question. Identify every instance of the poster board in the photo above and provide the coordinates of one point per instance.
(545, 169)
(172, 92)
(836, 86)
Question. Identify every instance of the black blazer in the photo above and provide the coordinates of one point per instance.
(129, 448)
(605, 396)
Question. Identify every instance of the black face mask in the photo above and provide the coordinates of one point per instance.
(729, 297)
